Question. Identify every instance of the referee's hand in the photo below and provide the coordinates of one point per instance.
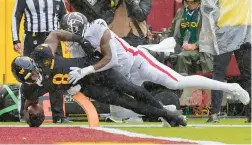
(18, 48)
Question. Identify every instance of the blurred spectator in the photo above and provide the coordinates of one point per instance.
(129, 21)
(127, 18)
(228, 24)
(185, 28)
(41, 17)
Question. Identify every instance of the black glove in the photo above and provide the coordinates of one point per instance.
(85, 44)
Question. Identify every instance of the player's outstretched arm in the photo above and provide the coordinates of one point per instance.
(105, 63)
(56, 36)
(106, 52)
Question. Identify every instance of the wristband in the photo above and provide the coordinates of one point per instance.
(16, 42)
(91, 69)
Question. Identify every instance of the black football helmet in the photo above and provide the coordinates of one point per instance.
(26, 71)
(74, 22)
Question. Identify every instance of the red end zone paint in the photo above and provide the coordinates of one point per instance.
(54, 135)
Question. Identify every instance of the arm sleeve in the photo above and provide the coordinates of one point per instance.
(140, 11)
(16, 19)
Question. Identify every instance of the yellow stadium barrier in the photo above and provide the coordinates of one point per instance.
(6, 46)
(2, 41)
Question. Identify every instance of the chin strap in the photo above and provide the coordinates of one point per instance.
(39, 80)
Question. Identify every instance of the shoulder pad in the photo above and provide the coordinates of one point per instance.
(100, 22)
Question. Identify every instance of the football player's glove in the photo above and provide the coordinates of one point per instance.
(78, 73)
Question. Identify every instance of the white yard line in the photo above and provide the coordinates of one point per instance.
(112, 129)
(220, 125)
(140, 125)
(139, 135)
(190, 125)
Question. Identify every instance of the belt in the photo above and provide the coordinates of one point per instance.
(37, 33)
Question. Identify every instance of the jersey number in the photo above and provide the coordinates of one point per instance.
(60, 79)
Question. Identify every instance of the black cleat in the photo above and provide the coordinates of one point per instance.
(214, 118)
(182, 120)
(248, 120)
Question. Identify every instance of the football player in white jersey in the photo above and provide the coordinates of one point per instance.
(138, 65)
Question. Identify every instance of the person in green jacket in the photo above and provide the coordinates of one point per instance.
(185, 28)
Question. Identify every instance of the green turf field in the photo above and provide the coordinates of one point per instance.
(219, 133)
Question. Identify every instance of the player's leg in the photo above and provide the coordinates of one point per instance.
(243, 57)
(116, 81)
(56, 101)
(152, 70)
(108, 96)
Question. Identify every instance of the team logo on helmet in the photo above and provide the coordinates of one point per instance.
(74, 22)
(21, 71)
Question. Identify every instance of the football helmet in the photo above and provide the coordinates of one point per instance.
(74, 22)
(26, 71)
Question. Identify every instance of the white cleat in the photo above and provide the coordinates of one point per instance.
(170, 107)
(134, 120)
(113, 119)
(238, 92)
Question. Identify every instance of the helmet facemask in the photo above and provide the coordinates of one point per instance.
(34, 76)
(29, 79)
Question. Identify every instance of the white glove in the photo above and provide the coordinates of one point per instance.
(74, 89)
(78, 73)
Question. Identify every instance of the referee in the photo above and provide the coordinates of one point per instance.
(40, 18)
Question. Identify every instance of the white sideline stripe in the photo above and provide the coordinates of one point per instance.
(220, 125)
(139, 135)
(190, 125)
(140, 125)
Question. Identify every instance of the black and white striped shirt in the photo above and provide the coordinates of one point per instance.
(40, 16)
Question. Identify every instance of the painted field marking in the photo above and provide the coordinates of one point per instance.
(105, 143)
(220, 125)
(139, 135)
(143, 125)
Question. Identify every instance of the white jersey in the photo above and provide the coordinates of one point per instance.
(122, 61)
